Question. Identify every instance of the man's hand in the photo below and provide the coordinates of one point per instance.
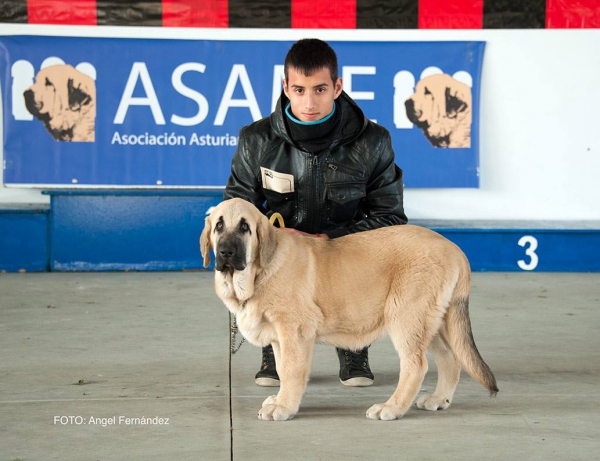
(305, 234)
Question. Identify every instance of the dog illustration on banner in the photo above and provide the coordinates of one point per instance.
(62, 97)
(441, 106)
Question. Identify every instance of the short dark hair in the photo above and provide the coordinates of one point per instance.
(310, 55)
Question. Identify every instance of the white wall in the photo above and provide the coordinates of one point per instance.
(539, 122)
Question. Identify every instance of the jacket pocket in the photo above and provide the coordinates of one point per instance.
(343, 201)
(285, 204)
(346, 169)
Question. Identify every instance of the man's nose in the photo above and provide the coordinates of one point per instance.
(309, 101)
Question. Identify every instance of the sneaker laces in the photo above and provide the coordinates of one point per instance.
(356, 360)
(268, 359)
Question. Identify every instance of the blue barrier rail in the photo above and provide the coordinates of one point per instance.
(153, 231)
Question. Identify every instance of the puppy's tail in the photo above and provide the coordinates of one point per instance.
(460, 335)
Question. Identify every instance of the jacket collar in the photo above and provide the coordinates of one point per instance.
(353, 121)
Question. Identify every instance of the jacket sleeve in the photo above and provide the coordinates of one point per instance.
(243, 182)
(384, 195)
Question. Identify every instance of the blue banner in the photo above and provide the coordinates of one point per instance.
(101, 112)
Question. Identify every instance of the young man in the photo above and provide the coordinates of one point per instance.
(320, 163)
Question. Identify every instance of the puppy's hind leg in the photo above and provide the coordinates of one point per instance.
(448, 376)
(413, 369)
(409, 332)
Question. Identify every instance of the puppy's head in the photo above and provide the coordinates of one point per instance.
(439, 106)
(239, 235)
(61, 96)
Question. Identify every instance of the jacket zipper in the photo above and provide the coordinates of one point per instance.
(314, 199)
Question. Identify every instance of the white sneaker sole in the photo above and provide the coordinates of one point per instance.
(266, 382)
(357, 382)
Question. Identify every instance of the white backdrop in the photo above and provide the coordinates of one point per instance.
(539, 123)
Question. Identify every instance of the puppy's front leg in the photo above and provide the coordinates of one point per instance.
(293, 357)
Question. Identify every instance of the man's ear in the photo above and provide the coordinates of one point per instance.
(285, 88)
(205, 244)
(337, 87)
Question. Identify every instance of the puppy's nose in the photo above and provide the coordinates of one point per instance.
(227, 251)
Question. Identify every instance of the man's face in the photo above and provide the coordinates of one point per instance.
(311, 96)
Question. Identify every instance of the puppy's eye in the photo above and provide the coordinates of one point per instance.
(219, 226)
(427, 91)
(48, 82)
(244, 227)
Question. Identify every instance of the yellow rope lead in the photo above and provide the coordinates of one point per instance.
(277, 217)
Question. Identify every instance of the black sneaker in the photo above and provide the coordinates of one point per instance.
(267, 376)
(354, 368)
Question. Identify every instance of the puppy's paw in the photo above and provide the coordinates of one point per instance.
(383, 412)
(270, 400)
(433, 403)
(272, 412)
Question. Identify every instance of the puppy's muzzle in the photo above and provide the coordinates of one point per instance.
(413, 114)
(231, 255)
(32, 106)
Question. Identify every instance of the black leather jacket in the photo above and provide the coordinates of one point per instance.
(353, 186)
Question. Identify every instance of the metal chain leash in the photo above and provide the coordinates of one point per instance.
(234, 332)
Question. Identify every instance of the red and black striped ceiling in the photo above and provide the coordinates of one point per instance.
(314, 14)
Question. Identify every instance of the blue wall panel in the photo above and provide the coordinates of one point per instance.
(23, 239)
(541, 250)
(128, 231)
(152, 230)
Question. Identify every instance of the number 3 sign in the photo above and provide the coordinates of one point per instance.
(530, 243)
(529, 249)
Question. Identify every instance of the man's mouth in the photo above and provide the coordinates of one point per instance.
(311, 116)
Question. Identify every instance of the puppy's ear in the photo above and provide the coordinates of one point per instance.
(78, 96)
(456, 101)
(267, 241)
(205, 244)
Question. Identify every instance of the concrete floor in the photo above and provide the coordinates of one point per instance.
(79, 349)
